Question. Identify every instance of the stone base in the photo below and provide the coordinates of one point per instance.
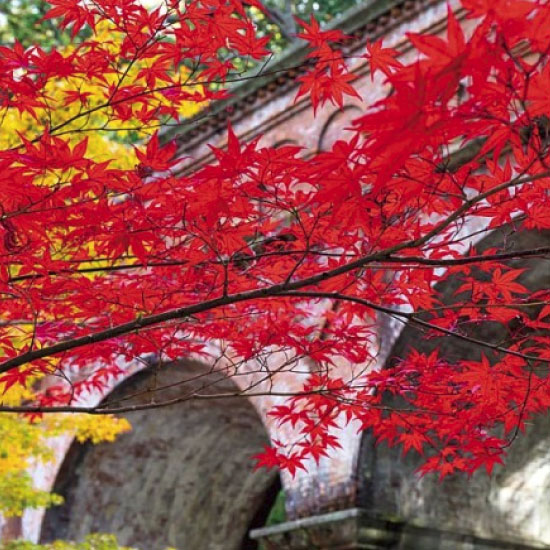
(356, 529)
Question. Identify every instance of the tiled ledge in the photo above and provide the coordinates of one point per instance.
(356, 529)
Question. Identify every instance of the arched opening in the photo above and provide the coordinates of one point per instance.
(512, 504)
(183, 477)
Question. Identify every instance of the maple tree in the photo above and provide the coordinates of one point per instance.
(109, 258)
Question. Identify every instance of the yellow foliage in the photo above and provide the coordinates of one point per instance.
(22, 442)
(107, 137)
(93, 428)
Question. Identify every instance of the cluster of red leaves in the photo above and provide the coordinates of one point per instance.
(108, 265)
(329, 78)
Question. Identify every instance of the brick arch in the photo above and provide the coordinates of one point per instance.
(512, 505)
(336, 123)
(182, 477)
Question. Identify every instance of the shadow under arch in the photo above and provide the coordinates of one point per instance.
(513, 504)
(183, 476)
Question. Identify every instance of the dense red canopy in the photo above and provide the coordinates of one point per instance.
(100, 262)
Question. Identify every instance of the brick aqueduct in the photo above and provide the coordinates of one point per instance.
(183, 477)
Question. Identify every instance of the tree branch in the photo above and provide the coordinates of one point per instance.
(411, 317)
(261, 293)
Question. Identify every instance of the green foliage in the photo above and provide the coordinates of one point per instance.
(324, 10)
(17, 493)
(277, 514)
(22, 442)
(20, 20)
(91, 542)
(280, 25)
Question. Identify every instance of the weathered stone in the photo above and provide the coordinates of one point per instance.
(357, 529)
(183, 477)
(512, 503)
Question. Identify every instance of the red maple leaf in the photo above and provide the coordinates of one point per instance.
(72, 13)
(381, 59)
